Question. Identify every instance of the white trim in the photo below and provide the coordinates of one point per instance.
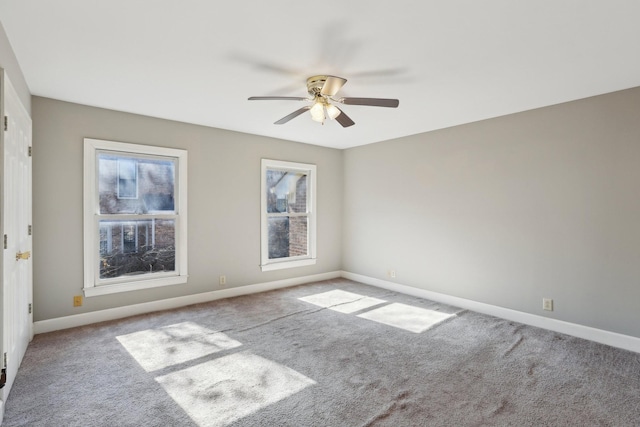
(1, 411)
(613, 339)
(66, 322)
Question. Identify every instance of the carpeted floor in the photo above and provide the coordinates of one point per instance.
(333, 353)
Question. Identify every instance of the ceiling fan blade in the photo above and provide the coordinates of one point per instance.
(278, 98)
(344, 120)
(293, 115)
(332, 85)
(374, 102)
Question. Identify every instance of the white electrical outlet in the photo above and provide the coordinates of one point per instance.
(547, 304)
(391, 274)
(223, 280)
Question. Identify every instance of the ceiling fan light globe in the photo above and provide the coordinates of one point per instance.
(317, 112)
(333, 111)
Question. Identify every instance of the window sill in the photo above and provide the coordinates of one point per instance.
(93, 291)
(288, 264)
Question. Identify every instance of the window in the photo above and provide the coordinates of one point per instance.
(135, 217)
(288, 215)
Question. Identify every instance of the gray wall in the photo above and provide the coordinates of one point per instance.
(506, 211)
(10, 64)
(224, 203)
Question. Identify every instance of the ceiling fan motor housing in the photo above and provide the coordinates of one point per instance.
(315, 84)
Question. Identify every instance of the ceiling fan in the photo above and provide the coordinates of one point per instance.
(322, 90)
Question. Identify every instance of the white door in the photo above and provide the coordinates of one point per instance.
(17, 318)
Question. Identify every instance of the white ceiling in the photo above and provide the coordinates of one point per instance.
(448, 62)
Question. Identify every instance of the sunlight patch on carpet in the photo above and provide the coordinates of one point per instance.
(221, 391)
(412, 319)
(159, 348)
(342, 301)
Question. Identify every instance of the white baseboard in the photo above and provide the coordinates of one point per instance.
(586, 332)
(598, 335)
(66, 322)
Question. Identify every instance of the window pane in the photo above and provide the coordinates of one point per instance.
(286, 191)
(136, 247)
(298, 236)
(278, 237)
(287, 237)
(130, 237)
(139, 185)
(127, 179)
(105, 239)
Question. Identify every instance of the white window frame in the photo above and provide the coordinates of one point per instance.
(267, 264)
(93, 285)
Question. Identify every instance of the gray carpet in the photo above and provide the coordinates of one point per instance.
(334, 353)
